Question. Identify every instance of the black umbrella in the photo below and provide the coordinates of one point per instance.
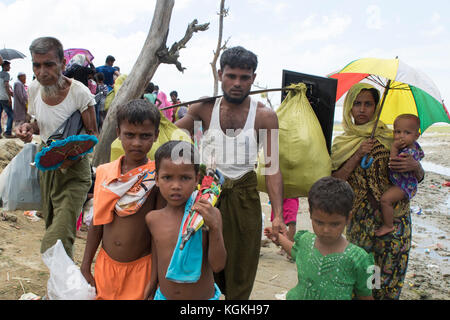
(10, 54)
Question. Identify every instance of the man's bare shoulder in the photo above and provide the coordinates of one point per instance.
(200, 107)
(266, 118)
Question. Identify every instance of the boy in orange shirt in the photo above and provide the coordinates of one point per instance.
(123, 194)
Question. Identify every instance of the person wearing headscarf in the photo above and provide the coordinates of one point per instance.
(391, 252)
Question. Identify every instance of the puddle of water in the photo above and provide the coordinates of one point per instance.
(436, 168)
(426, 239)
(430, 144)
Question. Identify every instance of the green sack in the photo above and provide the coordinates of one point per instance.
(167, 131)
(303, 154)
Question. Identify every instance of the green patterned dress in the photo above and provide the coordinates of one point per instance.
(332, 277)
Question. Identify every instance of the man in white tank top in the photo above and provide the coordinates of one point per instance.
(232, 128)
(52, 100)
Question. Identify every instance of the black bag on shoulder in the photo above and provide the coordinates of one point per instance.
(70, 127)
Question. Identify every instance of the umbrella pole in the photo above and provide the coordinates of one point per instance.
(364, 163)
(381, 108)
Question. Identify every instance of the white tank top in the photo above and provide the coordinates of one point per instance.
(234, 154)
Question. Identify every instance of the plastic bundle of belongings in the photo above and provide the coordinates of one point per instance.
(303, 154)
(19, 181)
(66, 281)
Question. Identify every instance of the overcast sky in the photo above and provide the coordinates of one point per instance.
(314, 37)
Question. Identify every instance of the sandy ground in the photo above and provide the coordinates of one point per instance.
(428, 276)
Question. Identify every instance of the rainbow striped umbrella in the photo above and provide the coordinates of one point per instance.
(407, 90)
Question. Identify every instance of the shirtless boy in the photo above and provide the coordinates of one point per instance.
(176, 181)
(123, 194)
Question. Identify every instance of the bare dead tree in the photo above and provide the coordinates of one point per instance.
(222, 14)
(264, 94)
(153, 53)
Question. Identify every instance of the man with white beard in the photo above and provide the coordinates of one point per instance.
(53, 98)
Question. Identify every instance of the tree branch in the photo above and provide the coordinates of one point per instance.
(222, 14)
(170, 56)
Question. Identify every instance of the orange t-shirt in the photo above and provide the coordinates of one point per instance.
(122, 194)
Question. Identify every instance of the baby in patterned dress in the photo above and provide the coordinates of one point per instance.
(406, 132)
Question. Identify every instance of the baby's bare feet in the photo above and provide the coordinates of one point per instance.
(384, 229)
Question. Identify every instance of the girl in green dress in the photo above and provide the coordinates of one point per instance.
(328, 266)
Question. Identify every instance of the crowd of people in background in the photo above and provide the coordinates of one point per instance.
(100, 81)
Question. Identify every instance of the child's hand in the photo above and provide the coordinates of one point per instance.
(86, 272)
(24, 132)
(210, 214)
(399, 144)
(271, 236)
(268, 232)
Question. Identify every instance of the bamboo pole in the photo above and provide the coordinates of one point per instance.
(215, 97)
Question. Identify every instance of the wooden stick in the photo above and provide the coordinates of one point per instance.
(386, 91)
(207, 99)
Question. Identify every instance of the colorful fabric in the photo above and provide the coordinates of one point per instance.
(165, 103)
(411, 91)
(150, 97)
(121, 194)
(290, 210)
(332, 277)
(72, 148)
(391, 251)
(116, 280)
(160, 296)
(240, 206)
(407, 181)
(186, 265)
(345, 145)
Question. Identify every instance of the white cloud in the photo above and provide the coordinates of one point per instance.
(374, 20)
(436, 28)
(320, 28)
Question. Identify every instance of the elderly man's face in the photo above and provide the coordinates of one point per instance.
(23, 78)
(47, 68)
